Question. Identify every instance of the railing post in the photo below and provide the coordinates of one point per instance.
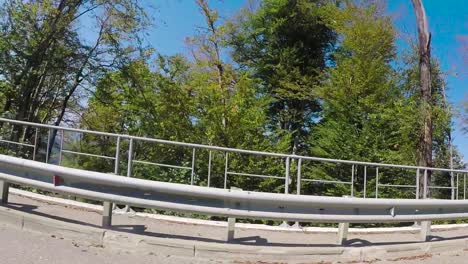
(193, 168)
(452, 184)
(365, 180)
(130, 158)
(377, 182)
(129, 167)
(298, 185)
(464, 186)
(417, 183)
(107, 214)
(117, 157)
(425, 184)
(226, 170)
(48, 146)
(209, 168)
(35, 144)
(4, 190)
(61, 148)
(352, 180)
(286, 183)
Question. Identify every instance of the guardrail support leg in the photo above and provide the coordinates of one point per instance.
(231, 227)
(342, 233)
(4, 189)
(107, 214)
(425, 230)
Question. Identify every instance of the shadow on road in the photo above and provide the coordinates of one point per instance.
(248, 240)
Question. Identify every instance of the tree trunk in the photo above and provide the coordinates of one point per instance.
(425, 139)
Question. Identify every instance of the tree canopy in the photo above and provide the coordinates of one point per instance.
(310, 77)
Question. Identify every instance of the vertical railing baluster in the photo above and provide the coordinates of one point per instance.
(61, 147)
(192, 175)
(48, 146)
(417, 183)
(226, 170)
(130, 158)
(286, 178)
(457, 185)
(352, 180)
(209, 168)
(464, 186)
(425, 184)
(365, 180)
(298, 185)
(36, 134)
(452, 185)
(377, 182)
(117, 157)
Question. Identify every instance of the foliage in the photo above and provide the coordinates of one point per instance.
(47, 63)
(312, 77)
(285, 44)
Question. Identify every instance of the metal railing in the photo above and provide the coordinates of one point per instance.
(222, 202)
(288, 159)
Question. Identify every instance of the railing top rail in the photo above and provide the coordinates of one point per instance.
(224, 149)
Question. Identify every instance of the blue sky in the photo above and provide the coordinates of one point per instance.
(448, 21)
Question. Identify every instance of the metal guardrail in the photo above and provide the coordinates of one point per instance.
(288, 159)
(223, 202)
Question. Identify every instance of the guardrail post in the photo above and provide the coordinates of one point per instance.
(231, 222)
(343, 231)
(107, 214)
(4, 190)
(425, 225)
(231, 227)
(425, 230)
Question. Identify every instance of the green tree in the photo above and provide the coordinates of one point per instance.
(47, 64)
(230, 110)
(444, 153)
(362, 105)
(285, 44)
(141, 102)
